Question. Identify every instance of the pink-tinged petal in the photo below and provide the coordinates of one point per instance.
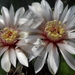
(40, 61)
(58, 9)
(21, 42)
(53, 60)
(68, 58)
(11, 15)
(6, 17)
(19, 13)
(5, 62)
(3, 49)
(64, 13)
(27, 48)
(12, 57)
(67, 47)
(21, 57)
(69, 14)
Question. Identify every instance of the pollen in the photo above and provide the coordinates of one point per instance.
(54, 30)
(9, 35)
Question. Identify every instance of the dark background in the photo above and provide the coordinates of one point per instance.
(64, 69)
(25, 3)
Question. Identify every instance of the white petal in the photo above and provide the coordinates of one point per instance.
(19, 13)
(12, 57)
(11, 16)
(36, 52)
(31, 57)
(22, 21)
(40, 61)
(27, 48)
(36, 22)
(27, 29)
(23, 35)
(71, 35)
(28, 23)
(35, 11)
(47, 9)
(6, 17)
(58, 9)
(3, 49)
(53, 60)
(70, 22)
(21, 42)
(1, 26)
(49, 47)
(68, 58)
(5, 63)
(64, 13)
(1, 19)
(67, 47)
(21, 57)
(41, 10)
(70, 12)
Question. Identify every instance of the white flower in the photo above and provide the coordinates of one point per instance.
(12, 37)
(56, 34)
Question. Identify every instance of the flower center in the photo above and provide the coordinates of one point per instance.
(54, 30)
(9, 35)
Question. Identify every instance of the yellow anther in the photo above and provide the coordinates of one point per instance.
(54, 30)
(9, 35)
(59, 22)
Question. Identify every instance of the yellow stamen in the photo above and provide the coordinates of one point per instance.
(9, 35)
(54, 30)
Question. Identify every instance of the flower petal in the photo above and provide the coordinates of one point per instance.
(58, 9)
(12, 57)
(67, 47)
(21, 42)
(6, 17)
(22, 21)
(53, 60)
(71, 35)
(11, 15)
(47, 10)
(68, 58)
(64, 13)
(1, 26)
(70, 12)
(1, 19)
(27, 48)
(19, 13)
(35, 11)
(3, 49)
(5, 63)
(40, 61)
(70, 22)
(21, 57)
